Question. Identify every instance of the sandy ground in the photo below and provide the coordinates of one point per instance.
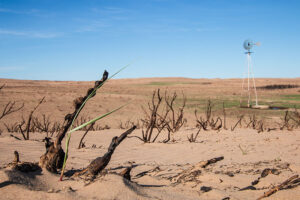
(246, 154)
(160, 171)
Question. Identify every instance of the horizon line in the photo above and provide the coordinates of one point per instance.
(162, 77)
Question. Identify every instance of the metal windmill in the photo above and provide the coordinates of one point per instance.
(248, 44)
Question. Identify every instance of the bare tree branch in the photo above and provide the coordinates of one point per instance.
(81, 140)
(97, 165)
(26, 132)
(9, 108)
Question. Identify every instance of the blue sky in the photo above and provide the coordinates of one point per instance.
(77, 40)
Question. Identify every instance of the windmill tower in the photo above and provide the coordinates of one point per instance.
(248, 44)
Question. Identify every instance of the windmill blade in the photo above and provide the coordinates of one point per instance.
(248, 44)
(258, 44)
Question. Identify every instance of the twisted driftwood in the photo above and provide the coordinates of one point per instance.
(54, 156)
(191, 174)
(97, 165)
(289, 183)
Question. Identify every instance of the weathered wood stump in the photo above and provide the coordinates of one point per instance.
(53, 159)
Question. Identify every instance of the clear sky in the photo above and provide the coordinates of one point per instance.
(77, 40)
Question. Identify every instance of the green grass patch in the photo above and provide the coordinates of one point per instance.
(286, 105)
(291, 97)
(200, 104)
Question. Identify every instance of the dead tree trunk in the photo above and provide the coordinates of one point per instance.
(54, 156)
(97, 165)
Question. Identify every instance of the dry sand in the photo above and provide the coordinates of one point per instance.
(278, 150)
(157, 167)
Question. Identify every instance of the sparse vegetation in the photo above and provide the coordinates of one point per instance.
(42, 125)
(244, 152)
(162, 116)
(127, 124)
(192, 137)
(9, 108)
(208, 121)
(28, 123)
(12, 128)
(290, 121)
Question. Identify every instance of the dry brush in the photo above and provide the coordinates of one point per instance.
(162, 115)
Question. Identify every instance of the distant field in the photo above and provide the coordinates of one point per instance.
(60, 95)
